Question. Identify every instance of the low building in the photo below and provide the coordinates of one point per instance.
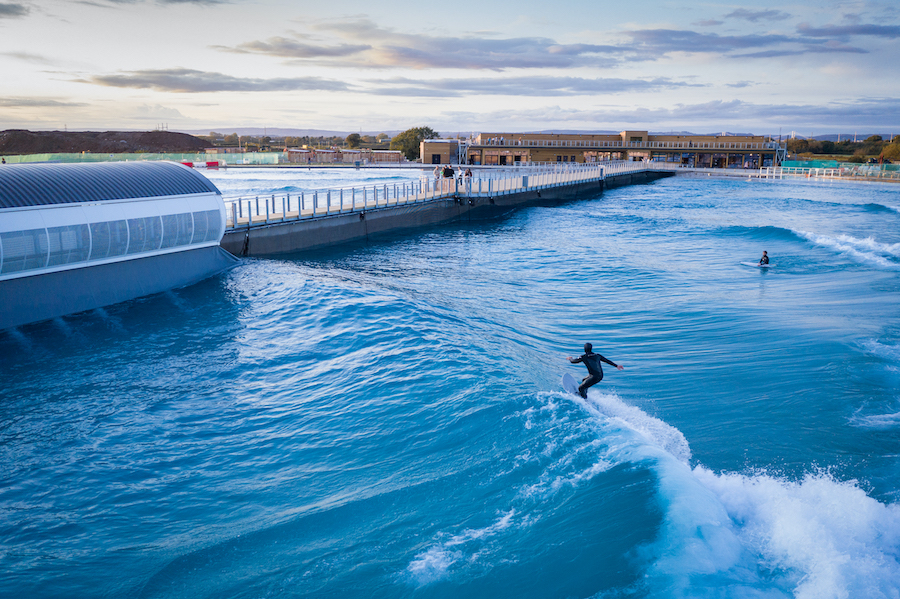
(440, 151)
(300, 155)
(386, 156)
(346, 156)
(351, 156)
(715, 151)
(76, 237)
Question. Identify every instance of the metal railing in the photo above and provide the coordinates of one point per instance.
(261, 210)
(616, 144)
(847, 173)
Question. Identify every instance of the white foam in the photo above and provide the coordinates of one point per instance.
(877, 421)
(882, 350)
(829, 537)
(435, 563)
(737, 535)
(652, 430)
(862, 250)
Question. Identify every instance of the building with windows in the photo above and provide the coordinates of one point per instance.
(76, 237)
(711, 151)
(361, 155)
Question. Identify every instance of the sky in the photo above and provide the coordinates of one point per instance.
(808, 67)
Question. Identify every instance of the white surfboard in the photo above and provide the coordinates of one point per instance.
(570, 384)
(757, 264)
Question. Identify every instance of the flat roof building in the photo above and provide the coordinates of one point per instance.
(714, 151)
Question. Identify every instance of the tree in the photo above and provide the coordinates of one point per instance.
(872, 138)
(381, 137)
(408, 141)
(892, 151)
(231, 140)
(352, 140)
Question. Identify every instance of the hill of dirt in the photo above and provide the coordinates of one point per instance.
(18, 141)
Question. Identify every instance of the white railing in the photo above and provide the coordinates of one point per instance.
(858, 172)
(273, 208)
(597, 144)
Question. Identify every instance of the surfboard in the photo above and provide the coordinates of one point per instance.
(570, 384)
(757, 264)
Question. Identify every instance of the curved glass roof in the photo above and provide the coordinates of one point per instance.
(46, 184)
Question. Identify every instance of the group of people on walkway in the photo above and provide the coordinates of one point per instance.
(447, 172)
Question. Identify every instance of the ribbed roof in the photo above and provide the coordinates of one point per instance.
(45, 184)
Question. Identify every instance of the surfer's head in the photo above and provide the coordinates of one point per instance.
(587, 348)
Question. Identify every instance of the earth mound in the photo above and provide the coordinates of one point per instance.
(18, 141)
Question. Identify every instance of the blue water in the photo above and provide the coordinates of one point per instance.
(245, 182)
(385, 419)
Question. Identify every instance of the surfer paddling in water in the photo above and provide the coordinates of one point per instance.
(764, 259)
(595, 371)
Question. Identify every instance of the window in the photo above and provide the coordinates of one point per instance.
(23, 250)
(144, 234)
(67, 244)
(177, 230)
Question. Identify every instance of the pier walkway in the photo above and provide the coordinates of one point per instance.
(281, 224)
(854, 172)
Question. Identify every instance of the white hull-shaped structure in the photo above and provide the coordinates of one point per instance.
(76, 237)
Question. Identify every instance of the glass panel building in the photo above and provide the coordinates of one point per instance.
(100, 231)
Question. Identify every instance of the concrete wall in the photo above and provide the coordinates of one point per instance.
(294, 236)
(40, 297)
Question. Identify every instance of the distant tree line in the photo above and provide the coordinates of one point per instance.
(871, 148)
(269, 143)
(407, 142)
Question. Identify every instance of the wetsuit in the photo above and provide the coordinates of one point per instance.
(764, 260)
(595, 371)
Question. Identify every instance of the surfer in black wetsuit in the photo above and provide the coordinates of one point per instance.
(764, 259)
(595, 371)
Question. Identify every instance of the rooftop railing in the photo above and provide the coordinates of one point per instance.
(618, 144)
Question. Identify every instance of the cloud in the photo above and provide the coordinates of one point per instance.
(708, 23)
(13, 11)
(358, 42)
(25, 102)
(888, 31)
(866, 112)
(156, 111)
(656, 41)
(369, 45)
(291, 48)
(192, 81)
(679, 40)
(109, 3)
(28, 57)
(521, 86)
(757, 15)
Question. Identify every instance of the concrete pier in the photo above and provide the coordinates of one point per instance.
(289, 232)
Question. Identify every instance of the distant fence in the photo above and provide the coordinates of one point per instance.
(854, 172)
(195, 159)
